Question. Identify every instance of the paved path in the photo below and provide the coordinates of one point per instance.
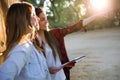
(102, 51)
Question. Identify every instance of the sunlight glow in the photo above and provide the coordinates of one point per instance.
(1, 54)
(82, 9)
(38, 1)
(47, 4)
(99, 4)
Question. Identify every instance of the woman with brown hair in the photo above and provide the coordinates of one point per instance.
(23, 61)
(54, 47)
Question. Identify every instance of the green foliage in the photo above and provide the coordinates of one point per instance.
(34, 2)
(65, 12)
(61, 13)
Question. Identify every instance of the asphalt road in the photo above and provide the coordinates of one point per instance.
(102, 51)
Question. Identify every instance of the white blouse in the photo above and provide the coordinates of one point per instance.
(60, 75)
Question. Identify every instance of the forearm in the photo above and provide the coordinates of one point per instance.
(89, 19)
(82, 23)
(93, 17)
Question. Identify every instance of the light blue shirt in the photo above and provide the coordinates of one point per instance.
(24, 62)
(60, 75)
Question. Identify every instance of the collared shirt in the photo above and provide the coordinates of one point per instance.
(24, 62)
(60, 75)
(59, 34)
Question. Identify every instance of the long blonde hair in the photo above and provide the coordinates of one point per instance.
(17, 23)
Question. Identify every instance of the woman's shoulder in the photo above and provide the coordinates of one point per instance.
(22, 49)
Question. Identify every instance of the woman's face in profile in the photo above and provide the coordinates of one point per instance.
(43, 22)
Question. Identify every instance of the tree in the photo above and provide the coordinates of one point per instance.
(63, 12)
(60, 12)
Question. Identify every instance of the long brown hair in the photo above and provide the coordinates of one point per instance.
(51, 40)
(17, 23)
(53, 43)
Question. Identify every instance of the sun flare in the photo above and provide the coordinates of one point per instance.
(99, 4)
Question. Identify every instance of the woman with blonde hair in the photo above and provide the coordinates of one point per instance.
(22, 62)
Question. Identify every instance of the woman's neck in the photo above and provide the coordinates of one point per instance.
(42, 35)
(24, 38)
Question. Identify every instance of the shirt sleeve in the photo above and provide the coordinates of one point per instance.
(13, 65)
(59, 32)
(69, 29)
(75, 27)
